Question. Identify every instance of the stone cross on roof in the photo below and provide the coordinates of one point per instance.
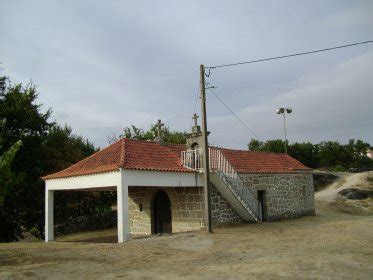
(195, 117)
(159, 129)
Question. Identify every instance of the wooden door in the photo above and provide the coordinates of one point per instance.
(162, 213)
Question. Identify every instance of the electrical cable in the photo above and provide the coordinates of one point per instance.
(286, 56)
(235, 115)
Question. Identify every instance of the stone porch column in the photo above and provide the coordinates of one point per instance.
(49, 215)
(122, 209)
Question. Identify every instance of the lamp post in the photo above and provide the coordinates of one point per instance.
(284, 111)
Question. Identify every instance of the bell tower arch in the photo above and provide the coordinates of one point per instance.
(194, 139)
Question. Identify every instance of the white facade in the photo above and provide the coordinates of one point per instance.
(118, 181)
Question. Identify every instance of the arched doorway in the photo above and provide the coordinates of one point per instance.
(162, 213)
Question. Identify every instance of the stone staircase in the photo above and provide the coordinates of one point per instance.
(228, 182)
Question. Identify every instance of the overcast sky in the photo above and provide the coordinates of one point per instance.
(104, 65)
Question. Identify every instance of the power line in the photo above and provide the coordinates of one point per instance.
(195, 106)
(286, 56)
(235, 115)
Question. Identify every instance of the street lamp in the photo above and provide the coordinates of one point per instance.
(284, 111)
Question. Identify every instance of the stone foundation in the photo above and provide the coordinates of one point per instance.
(188, 209)
(221, 211)
(286, 195)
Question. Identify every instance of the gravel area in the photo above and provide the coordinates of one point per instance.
(333, 245)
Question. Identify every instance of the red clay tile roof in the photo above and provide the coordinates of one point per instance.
(144, 155)
(261, 162)
(128, 154)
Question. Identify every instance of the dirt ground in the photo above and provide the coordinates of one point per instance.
(333, 244)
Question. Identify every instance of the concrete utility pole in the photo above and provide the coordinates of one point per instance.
(285, 111)
(205, 147)
(286, 148)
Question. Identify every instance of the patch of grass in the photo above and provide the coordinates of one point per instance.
(370, 180)
(338, 168)
(362, 207)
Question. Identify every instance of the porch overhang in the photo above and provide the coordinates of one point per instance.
(118, 181)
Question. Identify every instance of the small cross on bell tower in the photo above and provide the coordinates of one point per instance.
(159, 126)
(194, 139)
(196, 128)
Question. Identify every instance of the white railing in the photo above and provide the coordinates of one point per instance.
(192, 159)
(220, 165)
(218, 162)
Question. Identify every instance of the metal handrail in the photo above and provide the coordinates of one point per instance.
(220, 165)
(217, 159)
(243, 193)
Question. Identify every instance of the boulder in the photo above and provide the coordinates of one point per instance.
(354, 193)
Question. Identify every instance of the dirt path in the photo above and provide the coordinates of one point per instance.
(346, 181)
(332, 245)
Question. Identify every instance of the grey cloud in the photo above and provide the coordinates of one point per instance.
(333, 103)
(102, 66)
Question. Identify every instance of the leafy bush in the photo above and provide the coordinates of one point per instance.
(46, 148)
(330, 155)
(338, 168)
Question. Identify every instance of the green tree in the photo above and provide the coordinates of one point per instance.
(306, 153)
(133, 132)
(332, 154)
(255, 145)
(328, 154)
(272, 146)
(9, 228)
(23, 206)
(7, 176)
(46, 148)
(61, 149)
(2, 84)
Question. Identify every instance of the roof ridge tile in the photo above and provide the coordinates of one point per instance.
(123, 153)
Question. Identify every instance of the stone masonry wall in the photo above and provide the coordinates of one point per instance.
(187, 209)
(286, 195)
(221, 211)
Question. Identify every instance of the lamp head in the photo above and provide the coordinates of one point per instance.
(289, 110)
(280, 110)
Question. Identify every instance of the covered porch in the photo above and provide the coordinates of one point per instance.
(120, 181)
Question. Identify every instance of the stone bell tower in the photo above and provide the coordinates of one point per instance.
(194, 139)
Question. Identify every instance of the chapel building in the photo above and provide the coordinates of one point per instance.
(160, 186)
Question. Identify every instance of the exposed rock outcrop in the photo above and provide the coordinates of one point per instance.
(354, 193)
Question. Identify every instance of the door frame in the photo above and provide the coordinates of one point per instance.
(154, 213)
(262, 200)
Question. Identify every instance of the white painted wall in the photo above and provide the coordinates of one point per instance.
(132, 178)
(162, 179)
(120, 181)
(49, 215)
(100, 180)
(122, 209)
